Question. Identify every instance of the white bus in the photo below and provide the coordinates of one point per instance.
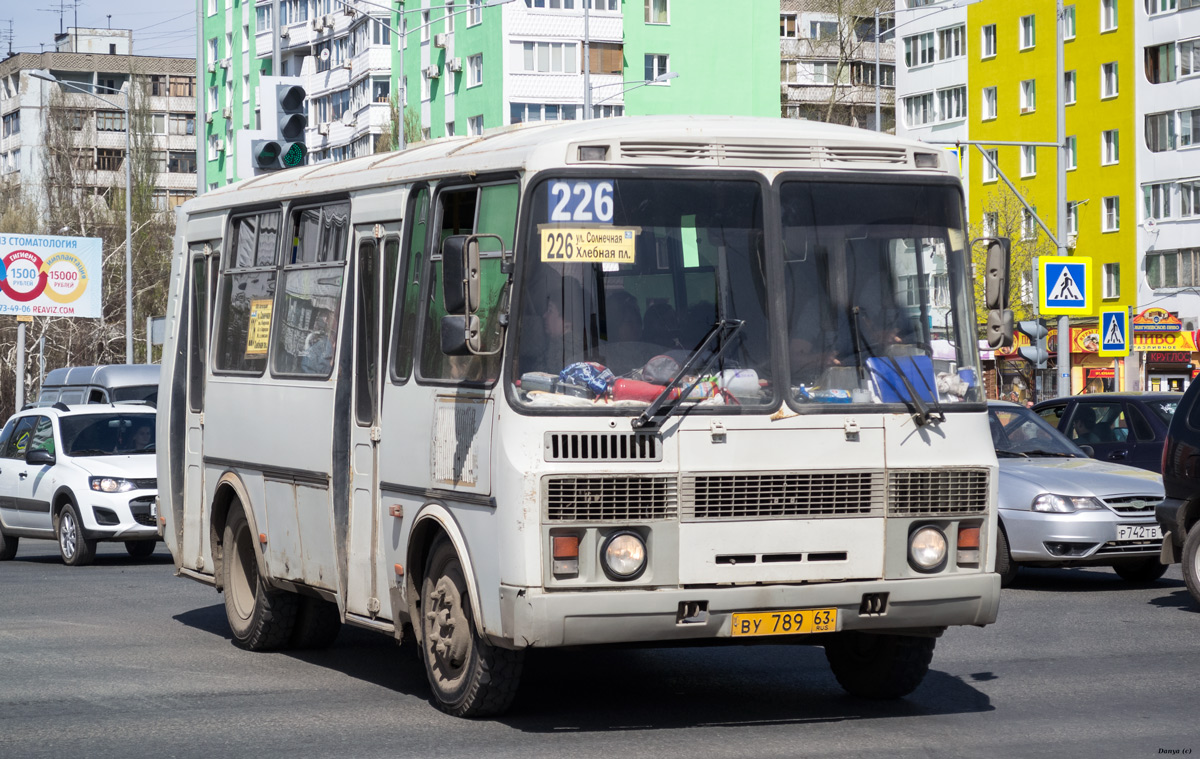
(637, 380)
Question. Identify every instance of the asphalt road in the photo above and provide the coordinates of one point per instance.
(121, 659)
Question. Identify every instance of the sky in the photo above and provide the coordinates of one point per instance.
(160, 27)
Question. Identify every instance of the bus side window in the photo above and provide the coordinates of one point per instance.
(247, 292)
(410, 289)
(491, 209)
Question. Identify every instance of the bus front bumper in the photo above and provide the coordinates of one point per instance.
(531, 617)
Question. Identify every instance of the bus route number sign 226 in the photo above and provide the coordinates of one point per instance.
(583, 200)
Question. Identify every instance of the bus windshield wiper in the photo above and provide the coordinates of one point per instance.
(1011, 454)
(727, 329)
(1060, 454)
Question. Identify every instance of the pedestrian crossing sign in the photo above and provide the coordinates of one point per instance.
(1114, 333)
(1066, 286)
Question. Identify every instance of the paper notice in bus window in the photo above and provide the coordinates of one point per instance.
(260, 327)
(593, 245)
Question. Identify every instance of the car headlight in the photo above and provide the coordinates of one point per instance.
(1065, 504)
(927, 549)
(111, 484)
(625, 555)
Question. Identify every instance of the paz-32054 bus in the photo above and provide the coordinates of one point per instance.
(632, 380)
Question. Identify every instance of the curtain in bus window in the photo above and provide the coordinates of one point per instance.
(320, 234)
(255, 240)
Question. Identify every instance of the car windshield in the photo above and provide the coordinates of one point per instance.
(1019, 432)
(1164, 410)
(107, 434)
(631, 277)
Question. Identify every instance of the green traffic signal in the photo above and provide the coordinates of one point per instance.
(295, 155)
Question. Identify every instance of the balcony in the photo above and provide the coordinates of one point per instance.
(846, 94)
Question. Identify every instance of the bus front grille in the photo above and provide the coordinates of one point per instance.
(602, 446)
(782, 495)
(937, 492)
(580, 498)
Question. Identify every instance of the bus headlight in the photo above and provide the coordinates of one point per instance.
(927, 549)
(624, 556)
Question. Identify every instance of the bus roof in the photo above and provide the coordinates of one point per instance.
(646, 141)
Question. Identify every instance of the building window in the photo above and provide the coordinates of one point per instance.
(1072, 153)
(109, 160)
(183, 86)
(158, 85)
(1108, 15)
(449, 130)
(918, 109)
(1189, 57)
(990, 173)
(1189, 198)
(918, 50)
(1028, 96)
(656, 12)
(474, 12)
(1160, 63)
(823, 30)
(1173, 268)
(863, 73)
(1029, 226)
(1028, 32)
(425, 26)
(183, 123)
(987, 45)
(988, 106)
(1069, 88)
(1108, 80)
(606, 58)
(263, 15)
(110, 121)
(656, 66)
(1112, 281)
(951, 43)
(787, 25)
(12, 124)
(607, 111)
(991, 224)
(1028, 160)
(520, 113)
(952, 103)
(1154, 7)
(1112, 214)
(1189, 127)
(475, 125)
(1072, 218)
(475, 70)
(213, 100)
(545, 57)
(213, 50)
(1110, 147)
(1156, 200)
(181, 162)
(1160, 132)
(158, 123)
(1069, 22)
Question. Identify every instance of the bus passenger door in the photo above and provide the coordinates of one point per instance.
(204, 259)
(374, 267)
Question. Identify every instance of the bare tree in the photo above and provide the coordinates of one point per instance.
(1005, 216)
(411, 124)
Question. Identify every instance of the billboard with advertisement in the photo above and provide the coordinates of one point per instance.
(47, 275)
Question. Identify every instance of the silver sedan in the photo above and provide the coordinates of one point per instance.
(1060, 508)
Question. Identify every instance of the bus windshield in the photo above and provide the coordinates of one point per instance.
(627, 277)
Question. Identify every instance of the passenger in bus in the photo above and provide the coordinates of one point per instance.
(662, 326)
(552, 327)
(318, 352)
(624, 350)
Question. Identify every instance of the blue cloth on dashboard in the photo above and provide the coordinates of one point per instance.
(890, 387)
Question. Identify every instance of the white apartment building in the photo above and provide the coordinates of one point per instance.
(1168, 157)
(931, 72)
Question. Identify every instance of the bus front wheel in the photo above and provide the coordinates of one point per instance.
(469, 676)
(261, 619)
(879, 666)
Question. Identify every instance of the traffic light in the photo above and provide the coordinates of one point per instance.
(289, 149)
(1035, 353)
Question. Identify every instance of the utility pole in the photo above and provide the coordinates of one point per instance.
(587, 61)
(1064, 322)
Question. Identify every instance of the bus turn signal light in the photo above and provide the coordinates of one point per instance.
(565, 550)
(968, 546)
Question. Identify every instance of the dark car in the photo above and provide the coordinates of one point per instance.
(1125, 428)
(1179, 513)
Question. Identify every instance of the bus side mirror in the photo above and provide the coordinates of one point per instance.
(995, 290)
(460, 335)
(454, 274)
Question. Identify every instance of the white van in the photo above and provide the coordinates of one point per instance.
(100, 384)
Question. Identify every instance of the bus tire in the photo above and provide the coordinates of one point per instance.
(75, 549)
(140, 549)
(879, 666)
(318, 623)
(469, 676)
(1005, 566)
(8, 546)
(261, 619)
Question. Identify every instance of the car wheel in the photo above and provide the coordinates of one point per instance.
(260, 618)
(1141, 570)
(469, 676)
(879, 666)
(317, 623)
(140, 549)
(1190, 562)
(1005, 566)
(8, 546)
(76, 550)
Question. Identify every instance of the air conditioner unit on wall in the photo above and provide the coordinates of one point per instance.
(432, 72)
(212, 66)
(227, 113)
(454, 65)
(329, 22)
(316, 23)
(220, 146)
(323, 129)
(284, 33)
(208, 118)
(439, 40)
(225, 63)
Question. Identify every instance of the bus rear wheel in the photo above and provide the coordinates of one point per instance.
(879, 666)
(468, 675)
(261, 619)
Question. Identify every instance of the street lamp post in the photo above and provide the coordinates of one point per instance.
(48, 77)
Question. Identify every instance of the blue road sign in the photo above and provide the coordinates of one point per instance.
(1066, 285)
(1114, 333)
